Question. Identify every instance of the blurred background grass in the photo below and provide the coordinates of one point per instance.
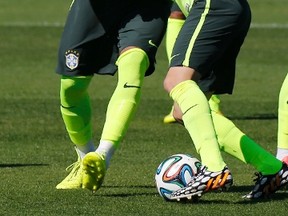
(35, 148)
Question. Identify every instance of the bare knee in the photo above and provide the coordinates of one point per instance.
(177, 15)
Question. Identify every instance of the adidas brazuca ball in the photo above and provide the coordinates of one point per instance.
(174, 173)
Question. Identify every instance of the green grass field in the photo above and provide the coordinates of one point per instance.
(35, 148)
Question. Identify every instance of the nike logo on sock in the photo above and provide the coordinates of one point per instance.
(126, 85)
(190, 108)
(175, 56)
(67, 107)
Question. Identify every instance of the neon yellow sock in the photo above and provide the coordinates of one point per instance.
(198, 121)
(214, 103)
(282, 139)
(236, 143)
(132, 66)
(76, 109)
(173, 28)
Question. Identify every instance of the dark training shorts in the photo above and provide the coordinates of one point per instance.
(210, 40)
(96, 31)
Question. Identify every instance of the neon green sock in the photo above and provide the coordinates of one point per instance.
(282, 139)
(132, 66)
(198, 121)
(214, 103)
(236, 143)
(76, 108)
(173, 28)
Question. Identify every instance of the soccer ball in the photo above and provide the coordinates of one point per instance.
(174, 173)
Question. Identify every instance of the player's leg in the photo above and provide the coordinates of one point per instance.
(76, 67)
(214, 103)
(236, 143)
(240, 145)
(138, 42)
(197, 118)
(132, 65)
(76, 113)
(282, 137)
(175, 22)
(174, 25)
(233, 141)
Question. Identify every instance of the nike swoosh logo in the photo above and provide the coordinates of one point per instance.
(152, 44)
(174, 56)
(126, 85)
(190, 108)
(66, 107)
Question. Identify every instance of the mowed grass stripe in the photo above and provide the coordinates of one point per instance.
(59, 24)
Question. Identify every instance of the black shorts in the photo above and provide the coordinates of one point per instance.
(96, 31)
(175, 7)
(210, 40)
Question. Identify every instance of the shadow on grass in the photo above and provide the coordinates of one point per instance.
(266, 116)
(21, 165)
(127, 191)
(130, 186)
(243, 189)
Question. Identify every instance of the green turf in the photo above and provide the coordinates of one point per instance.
(35, 148)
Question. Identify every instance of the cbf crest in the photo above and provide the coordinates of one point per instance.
(72, 59)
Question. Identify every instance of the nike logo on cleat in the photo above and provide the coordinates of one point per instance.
(126, 85)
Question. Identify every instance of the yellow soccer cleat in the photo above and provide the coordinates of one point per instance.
(169, 118)
(74, 179)
(94, 170)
